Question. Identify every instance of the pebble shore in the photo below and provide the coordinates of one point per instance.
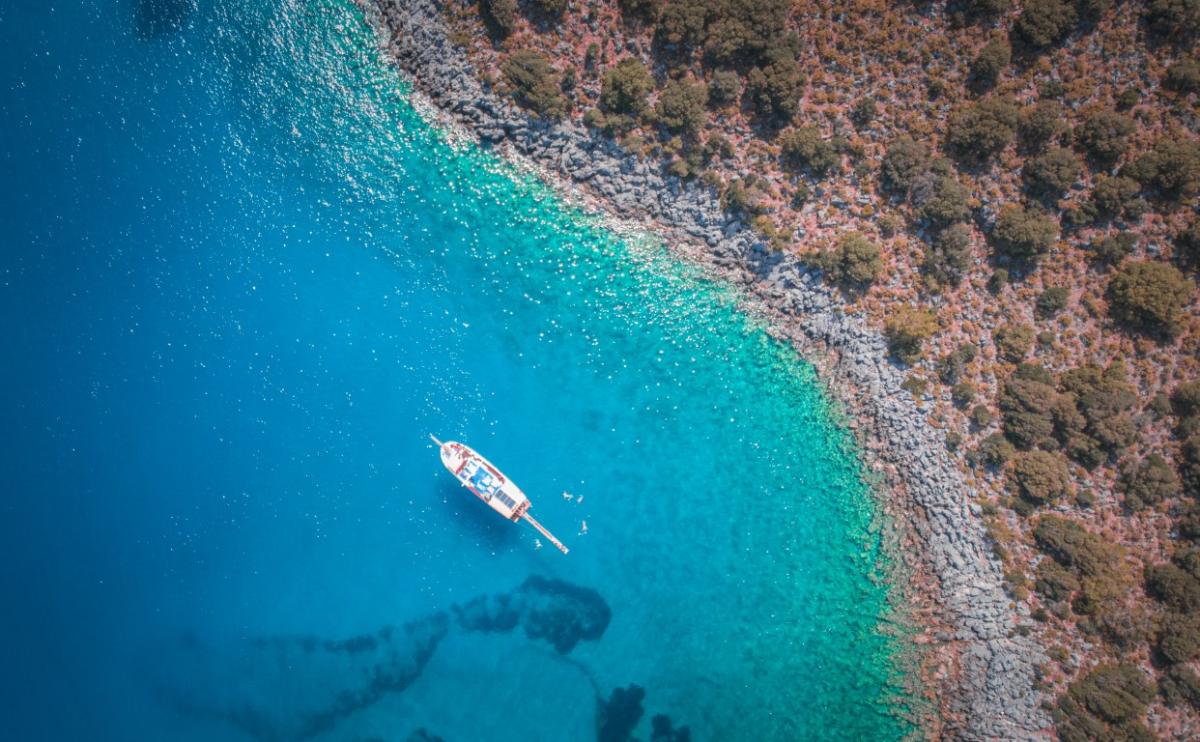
(985, 678)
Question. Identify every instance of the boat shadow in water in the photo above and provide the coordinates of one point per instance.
(473, 519)
(279, 688)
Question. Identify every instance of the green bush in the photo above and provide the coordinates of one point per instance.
(1052, 301)
(1178, 20)
(1113, 248)
(1172, 166)
(744, 31)
(552, 8)
(1149, 297)
(625, 87)
(1174, 586)
(1039, 477)
(1072, 546)
(991, 61)
(941, 201)
(775, 87)
(1179, 637)
(854, 261)
(1104, 135)
(725, 87)
(1092, 418)
(1187, 245)
(1027, 401)
(1189, 463)
(1050, 174)
(1115, 197)
(803, 148)
(981, 417)
(1148, 483)
(1042, 123)
(643, 11)
(1014, 340)
(1045, 22)
(1114, 693)
(1054, 582)
(1185, 399)
(681, 107)
(535, 84)
(1180, 687)
(1023, 235)
(995, 451)
(864, 111)
(981, 130)
(948, 259)
(963, 393)
(501, 15)
(907, 329)
(903, 163)
(1183, 76)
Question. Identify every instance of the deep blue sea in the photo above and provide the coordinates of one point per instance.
(241, 281)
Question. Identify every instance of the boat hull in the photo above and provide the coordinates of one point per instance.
(483, 479)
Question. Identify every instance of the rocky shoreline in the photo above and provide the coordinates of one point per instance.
(981, 670)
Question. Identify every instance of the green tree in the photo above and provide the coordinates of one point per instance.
(1042, 123)
(1178, 20)
(1039, 477)
(1022, 235)
(501, 15)
(1147, 483)
(1105, 136)
(625, 87)
(1051, 173)
(680, 107)
(535, 84)
(643, 11)
(1045, 22)
(1052, 301)
(904, 161)
(941, 201)
(803, 147)
(1014, 340)
(1183, 76)
(1027, 403)
(855, 261)
(775, 87)
(1179, 637)
(725, 88)
(907, 330)
(1114, 197)
(1187, 245)
(991, 61)
(1113, 248)
(1172, 166)
(981, 130)
(949, 257)
(1150, 297)
(552, 8)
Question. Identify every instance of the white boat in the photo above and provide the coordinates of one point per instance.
(481, 477)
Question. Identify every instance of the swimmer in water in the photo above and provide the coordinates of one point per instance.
(537, 543)
(567, 496)
(582, 527)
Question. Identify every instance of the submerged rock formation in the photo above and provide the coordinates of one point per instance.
(990, 691)
(554, 610)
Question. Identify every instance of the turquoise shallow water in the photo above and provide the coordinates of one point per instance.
(243, 280)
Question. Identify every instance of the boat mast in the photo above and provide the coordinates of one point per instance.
(544, 532)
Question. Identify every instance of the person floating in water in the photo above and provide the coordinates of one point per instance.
(583, 528)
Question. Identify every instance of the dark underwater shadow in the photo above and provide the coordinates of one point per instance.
(154, 19)
(471, 517)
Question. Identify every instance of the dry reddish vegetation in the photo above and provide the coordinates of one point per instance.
(1116, 132)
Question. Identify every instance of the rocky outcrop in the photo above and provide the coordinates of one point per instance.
(990, 692)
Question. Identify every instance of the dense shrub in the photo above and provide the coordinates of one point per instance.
(1183, 76)
(725, 88)
(625, 87)
(1104, 135)
(1023, 235)
(551, 8)
(981, 417)
(948, 259)
(775, 87)
(1113, 248)
(963, 393)
(1179, 637)
(1050, 174)
(743, 31)
(1092, 418)
(1180, 686)
(1039, 477)
(1174, 586)
(1014, 340)
(979, 131)
(501, 15)
(1189, 464)
(1187, 245)
(991, 61)
(1027, 401)
(1054, 582)
(904, 161)
(995, 451)
(1178, 20)
(1148, 483)
(1088, 554)
(864, 111)
(941, 200)
(907, 329)
(680, 106)
(803, 148)
(1150, 297)
(1052, 301)
(1185, 399)
(1045, 22)
(1114, 693)
(1172, 166)
(855, 261)
(535, 84)
(1114, 197)
(644, 11)
(1042, 123)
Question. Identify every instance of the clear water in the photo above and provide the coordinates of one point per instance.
(242, 280)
